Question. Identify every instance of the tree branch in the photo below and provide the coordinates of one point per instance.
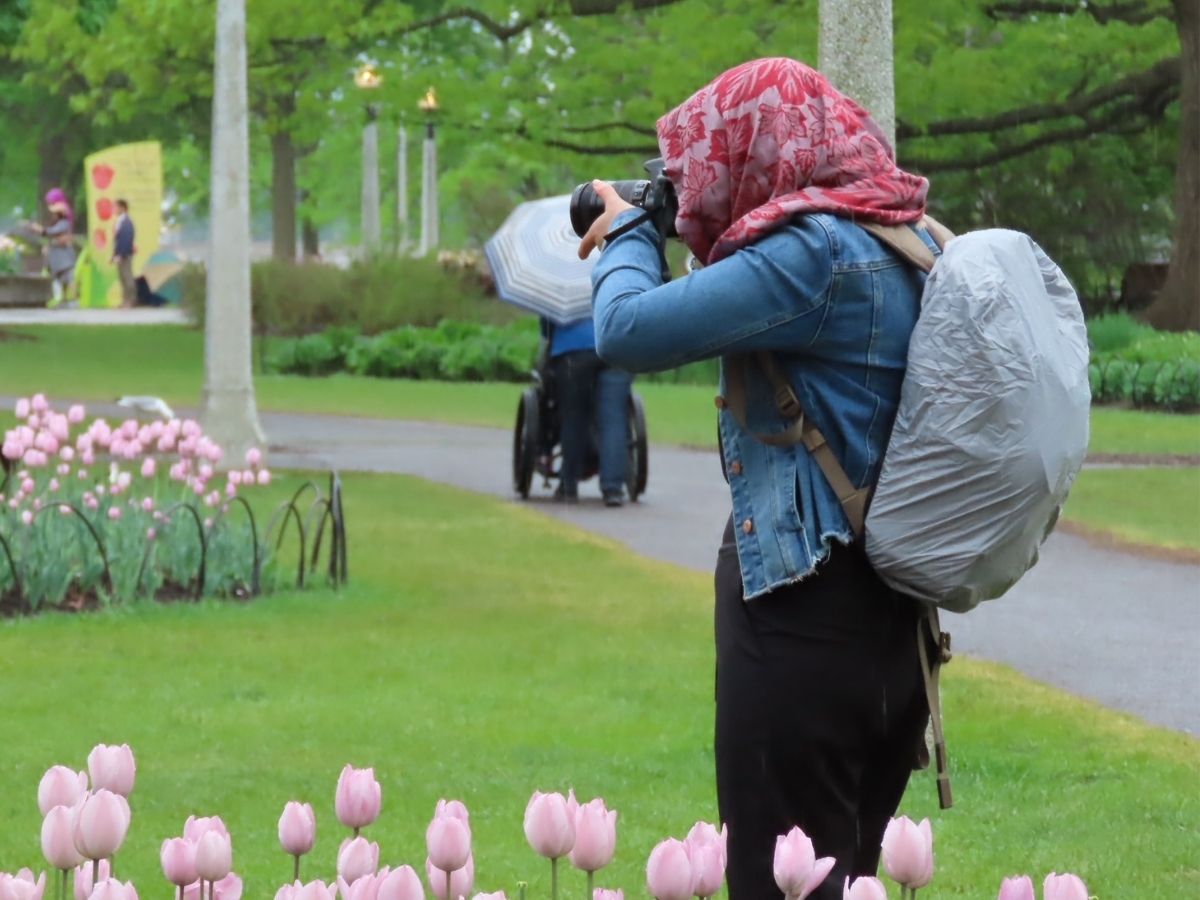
(1163, 77)
(1129, 118)
(642, 130)
(1132, 12)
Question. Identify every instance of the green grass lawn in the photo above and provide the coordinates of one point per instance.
(102, 363)
(1150, 506)
(483, 651)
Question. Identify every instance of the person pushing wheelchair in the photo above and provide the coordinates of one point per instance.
(587, 392)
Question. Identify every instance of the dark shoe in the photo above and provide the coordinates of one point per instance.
(614, 498)
(563, 495)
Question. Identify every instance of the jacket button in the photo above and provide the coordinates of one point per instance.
(747, 526)
(736, 467)
(719, 401)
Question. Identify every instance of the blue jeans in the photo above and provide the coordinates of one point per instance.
(592, 398)
(612, 427)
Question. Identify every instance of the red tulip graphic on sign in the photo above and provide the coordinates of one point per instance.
(104, 209)
(102, 176)
(100, 237)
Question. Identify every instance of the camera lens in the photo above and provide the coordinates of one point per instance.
(586, 204)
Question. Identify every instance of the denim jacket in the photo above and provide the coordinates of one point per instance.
(835, 306)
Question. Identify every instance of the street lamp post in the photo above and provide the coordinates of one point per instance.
(429, 201)
(402, 188)
(227, 404)
(367, 78)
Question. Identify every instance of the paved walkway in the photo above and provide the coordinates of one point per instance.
(140, 315)
(1115, 627)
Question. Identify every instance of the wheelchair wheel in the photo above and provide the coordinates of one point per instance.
(525, 441)
(639, 462)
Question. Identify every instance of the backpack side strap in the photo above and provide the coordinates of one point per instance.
(929, 633)
(800, 431)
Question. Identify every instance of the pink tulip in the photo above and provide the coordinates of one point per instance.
(253, 456)
(669, 873)
(61, 786)
(34, 458)
(99, 824)
(58, 839)
(706, 849)
(498, 895)
(83, 878)
(12, 449)
(248, 476)
(401, 884)
(549, 825)
(356, 858)
(59, 427)
(798, 872)
(595, 836)
(149, 467)
(63, 469)
(358, 797)
(1064, 887)
(1018, 888)
(147, 504)
(76, 413)
(214, 855)
(908, 852)
(53, 486)
(22, 408)
(25, 436)
(228, 888)
(314, 890)
(264, 477)
(448, 839)
(603, 894)
(112, 768)
(286, 891)
(461, 880)
(365, 887)
(39, 403)
(114, 513)
(864, 888)
(297, 828)
(230, 490)
(22, 886)
(111, 889)
(151, 534)
(178, 857)
(235, 477)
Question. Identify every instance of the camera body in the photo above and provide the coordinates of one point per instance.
(655, 195)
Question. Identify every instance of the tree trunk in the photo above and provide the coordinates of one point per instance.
(1177, 307)
(52, 172)
(856, 55)
(310, 239)
(283, 196)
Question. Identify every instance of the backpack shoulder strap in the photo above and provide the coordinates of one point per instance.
(800, 431)
(907, 243)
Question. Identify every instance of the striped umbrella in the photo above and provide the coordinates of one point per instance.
(534, 260)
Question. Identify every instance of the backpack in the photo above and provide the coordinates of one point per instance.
(990, 432)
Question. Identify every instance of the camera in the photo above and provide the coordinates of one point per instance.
(656, 195)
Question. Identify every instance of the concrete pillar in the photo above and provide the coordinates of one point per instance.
(228, 411)
(370, 186)
(856, 55)
(429, 197)
(402, 190)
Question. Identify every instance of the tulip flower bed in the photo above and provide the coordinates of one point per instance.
(93, 515)
(483, 652)
(87, 818)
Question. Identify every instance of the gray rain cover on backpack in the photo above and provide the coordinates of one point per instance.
(992, 426)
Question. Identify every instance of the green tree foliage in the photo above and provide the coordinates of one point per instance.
(1062, 120)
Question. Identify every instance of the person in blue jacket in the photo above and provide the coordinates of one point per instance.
(820, 703)
(588, 394)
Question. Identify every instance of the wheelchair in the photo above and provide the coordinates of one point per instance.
(536, 448)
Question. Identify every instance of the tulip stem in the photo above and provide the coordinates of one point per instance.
(296, 869)
(62, 884)
(554, 878)
(95, 872)
(591, 880)
(181, 892)
(449, 877)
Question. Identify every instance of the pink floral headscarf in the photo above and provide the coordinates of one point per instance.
(770, 139)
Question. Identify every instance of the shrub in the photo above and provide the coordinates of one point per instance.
(1115, 331)
(373, 296)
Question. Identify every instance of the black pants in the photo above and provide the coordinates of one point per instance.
(820, 707)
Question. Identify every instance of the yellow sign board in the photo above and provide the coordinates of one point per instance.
(129, 172)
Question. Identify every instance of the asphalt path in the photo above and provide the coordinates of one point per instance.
(1115, 627)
